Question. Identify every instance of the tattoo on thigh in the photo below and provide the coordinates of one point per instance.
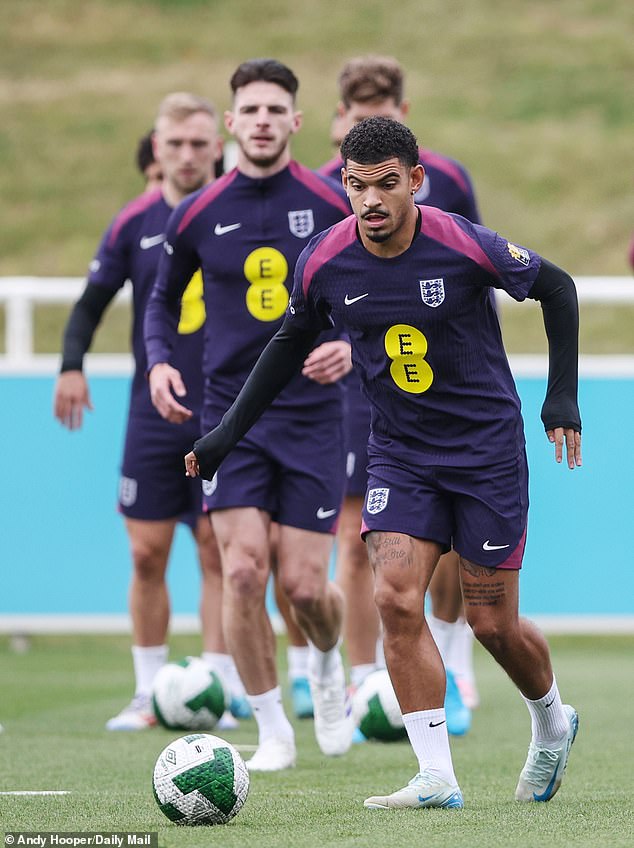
(488, 591)
(385, 549)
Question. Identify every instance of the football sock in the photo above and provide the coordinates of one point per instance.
(270, 716)
(323, 665)
(548, 720)
(460, 656)
(297, 661)
(427, 731)
(358, 673)
(225, 666)
(147, 661)
(443, 632)
(380, 654)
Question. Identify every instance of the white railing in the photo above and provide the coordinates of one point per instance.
(20, 294)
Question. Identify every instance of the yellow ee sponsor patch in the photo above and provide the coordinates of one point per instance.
(192, 306)
(406, 346)
(518, 253)
(266, 269)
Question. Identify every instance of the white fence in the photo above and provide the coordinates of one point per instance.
(20, 294)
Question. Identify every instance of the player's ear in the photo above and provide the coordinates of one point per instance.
(298, 118)
(229, 121)
(417, 175)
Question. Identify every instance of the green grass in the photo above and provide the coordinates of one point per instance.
(57, 696)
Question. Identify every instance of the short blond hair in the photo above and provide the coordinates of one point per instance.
(366, 79)
(182, 104)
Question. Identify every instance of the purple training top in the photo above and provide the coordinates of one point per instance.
(425, 337)
(130, 250)
(246, 234)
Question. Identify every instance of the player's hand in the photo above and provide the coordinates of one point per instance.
(166, 383)
(191, 465)
(209, 451)
(573, 445)
(71, 397)
(328, 362)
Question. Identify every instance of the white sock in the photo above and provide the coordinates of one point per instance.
(147, 661)
(297, 657)
(323, 665)
(270, 716)
(358, 673)
(443, 633)
(460, 657)
(380, 654)
(549, 724)
(427, 731)
(225, 666)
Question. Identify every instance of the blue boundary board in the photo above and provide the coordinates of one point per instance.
(64, 548)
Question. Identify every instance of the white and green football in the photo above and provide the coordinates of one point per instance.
(375, 709)
(188, 696)
(200, 779)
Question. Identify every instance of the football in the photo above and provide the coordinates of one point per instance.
(188, 696)
(200, 779)
(375, 709)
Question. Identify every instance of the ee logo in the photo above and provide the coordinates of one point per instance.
(192, 306)
(406, 346)
(266, 269)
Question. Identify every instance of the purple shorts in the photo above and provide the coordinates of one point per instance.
(153, 485)
(480, 512)
(290, 468)
(357, 429)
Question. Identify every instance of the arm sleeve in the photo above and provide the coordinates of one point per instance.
(278, 363)
(556, 292)
(82, 323)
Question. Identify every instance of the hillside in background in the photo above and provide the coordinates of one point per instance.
(534, 98)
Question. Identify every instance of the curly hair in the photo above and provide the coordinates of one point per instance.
(376, 139)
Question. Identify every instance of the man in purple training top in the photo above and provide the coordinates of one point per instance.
(447, 463)
(245, 232)
(369, 86)
(153, 496)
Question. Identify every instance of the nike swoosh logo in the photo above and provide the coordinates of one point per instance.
(325, 513)
(219, 230)
(548, 790)
(149, 241)
(550, 703)
(487, 547)
(436, 723)
(350, 300)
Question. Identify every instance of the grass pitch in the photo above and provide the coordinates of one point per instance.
(57, 696)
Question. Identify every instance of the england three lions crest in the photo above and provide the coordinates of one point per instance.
(377, 500)
(432, 292)
(301, 222)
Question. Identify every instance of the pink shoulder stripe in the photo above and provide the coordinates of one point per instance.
(317, 185)
(205, 198)
(442, 227)
(340, 236)
(133, 208)
(328, 167)
(446, 166)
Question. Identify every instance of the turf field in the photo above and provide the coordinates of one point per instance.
(57, 695)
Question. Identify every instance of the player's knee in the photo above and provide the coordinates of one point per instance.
(244, 580)
(149, 562)
(490, 633)
(398, 609)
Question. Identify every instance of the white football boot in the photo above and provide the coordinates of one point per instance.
(424, 790)
(138, 715)
(544, 768)
(273, 754)
(334, 725)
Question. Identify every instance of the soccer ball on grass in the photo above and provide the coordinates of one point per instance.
(375, 709)
(188, 696)
(200, 779)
